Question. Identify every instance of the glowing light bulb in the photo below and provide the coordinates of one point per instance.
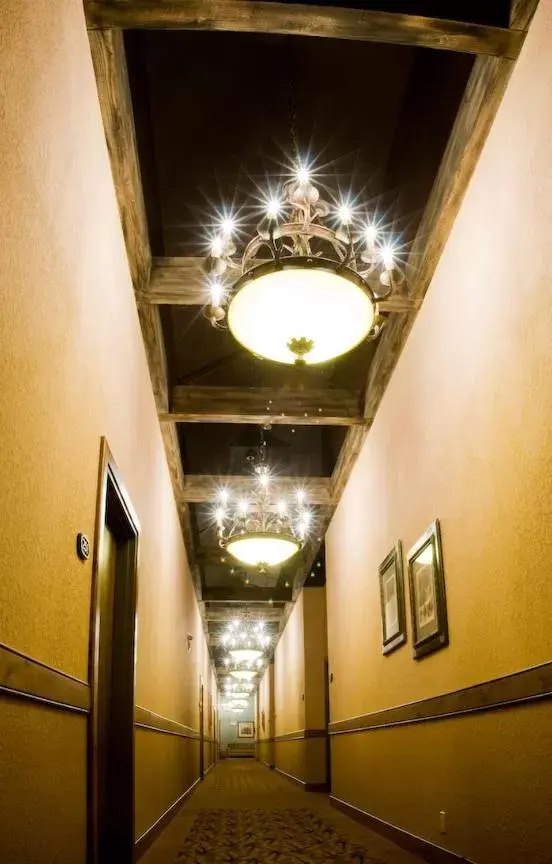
(345, 214)
(273, 208)
(217, 293)
(224, 495)
(300, 494)
(243, 507)
(370, 234)
(264, 480)
(302, 174)
(281, 506)
(388, 257)
(216, 247)
(228, 225)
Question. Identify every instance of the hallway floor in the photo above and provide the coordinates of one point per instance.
(246, 814)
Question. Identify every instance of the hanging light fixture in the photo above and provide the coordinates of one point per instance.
(255, 531)
(246, 640)
(303, 291)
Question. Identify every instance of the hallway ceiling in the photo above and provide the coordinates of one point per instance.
(213, 116)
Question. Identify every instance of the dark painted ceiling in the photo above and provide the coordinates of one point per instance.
(217, 117)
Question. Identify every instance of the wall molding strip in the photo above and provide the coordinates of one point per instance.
(146, 719)
(144, 842)
(517, 688)
(429, 851)
(305, 785)
(291, 777)
(24, 677)
(296, 736)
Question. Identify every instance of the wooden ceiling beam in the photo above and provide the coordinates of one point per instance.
(203, 488)
(109, 61)
(245, 594)
(521, 13)
(482, 97)
(259, 16)
(308, 407)
(181, 282)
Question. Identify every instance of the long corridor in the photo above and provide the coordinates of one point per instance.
(247, 814)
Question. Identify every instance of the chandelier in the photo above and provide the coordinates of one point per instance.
(232, 688)
(306, 287)
(246, 640)
(255, 531)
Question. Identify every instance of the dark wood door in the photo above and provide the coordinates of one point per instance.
(201, 734)
(111, 747)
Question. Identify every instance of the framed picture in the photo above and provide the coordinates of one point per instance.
(246, 729)
(428, 602)
(393, 616)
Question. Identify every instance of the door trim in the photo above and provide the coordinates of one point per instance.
(110, 485)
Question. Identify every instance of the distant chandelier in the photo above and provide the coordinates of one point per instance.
(303, 291)
(246, 640)
(233, 689)
(258, 533)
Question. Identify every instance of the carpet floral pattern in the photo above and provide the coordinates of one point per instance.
(268, 837)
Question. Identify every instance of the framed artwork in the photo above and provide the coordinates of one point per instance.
(393, 615)
(428, 602)
(246, 729)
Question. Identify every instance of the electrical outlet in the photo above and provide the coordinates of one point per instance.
(443, 821)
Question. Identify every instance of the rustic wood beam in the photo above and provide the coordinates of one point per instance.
(219, 616)
(108, 57)
(181, 282)
(202, 489)
(521, 13)
(483, 94)
(307, 407)
(336, 22)
(245, 594)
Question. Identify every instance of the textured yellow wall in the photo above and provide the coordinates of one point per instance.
(299, 688)
(42, 784)
(316, 650)
(166, 765)
(73, 368)
(489, 772)
(289, 675)
(464, 433)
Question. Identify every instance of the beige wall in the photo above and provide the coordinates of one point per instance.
(299, 688)
(289, 675)
(316, 650)
(265, 708)
(73, 368)
(464, 433)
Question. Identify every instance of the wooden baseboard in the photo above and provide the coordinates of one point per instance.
(291, 777)
(429, 851)
(148, 837)
(304, 784)
(317, 787)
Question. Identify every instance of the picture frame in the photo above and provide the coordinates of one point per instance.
(246, 729)
(428, 603)
(393, 612)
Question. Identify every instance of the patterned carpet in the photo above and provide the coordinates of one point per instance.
(245, 814)
(268, 837)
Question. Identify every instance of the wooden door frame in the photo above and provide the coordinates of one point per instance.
(111, 493)
(201, 729)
